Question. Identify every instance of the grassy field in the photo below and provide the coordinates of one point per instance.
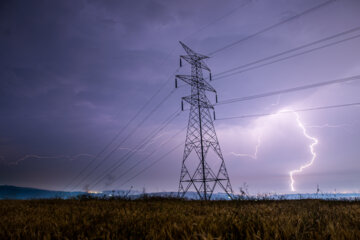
(178, 219)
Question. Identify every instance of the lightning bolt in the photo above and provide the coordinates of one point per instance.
(132, 149)
(277, 101)
(254, 155)
(314, 140)
(71, 158)
(74, 157)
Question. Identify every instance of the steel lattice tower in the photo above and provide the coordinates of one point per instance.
(201, 135)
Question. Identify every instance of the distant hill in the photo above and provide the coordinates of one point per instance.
(13, 192)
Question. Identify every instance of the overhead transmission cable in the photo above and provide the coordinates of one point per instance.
(120, 132)
(136, 149)
(288, 90)
(291, 56)
(290, 51)
(248, 66)
(147, 157)
(125, 158)
(272, 26)
(152, 164)
(124, 139)
(296, 110)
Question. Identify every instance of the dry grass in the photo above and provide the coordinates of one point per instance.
(177, 219)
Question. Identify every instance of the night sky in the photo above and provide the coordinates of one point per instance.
(73, 73)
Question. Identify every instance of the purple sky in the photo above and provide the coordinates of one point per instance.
(72, 74)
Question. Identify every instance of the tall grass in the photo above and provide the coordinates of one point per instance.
(178, 219)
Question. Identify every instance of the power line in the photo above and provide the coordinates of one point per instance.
(291, 111)
(136, 149)
(147, 157)
(272, 27)
(119, 133)
(130, 154)
(125, 139)
(291, 56)
(288, 90)
(285, 52)
(289, 51)
(152, 164)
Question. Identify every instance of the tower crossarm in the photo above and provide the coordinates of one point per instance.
(193, 81)
(193, 100)
(191, 52)
(196, 60)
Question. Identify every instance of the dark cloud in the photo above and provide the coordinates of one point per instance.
(72, 73)
(134, 16)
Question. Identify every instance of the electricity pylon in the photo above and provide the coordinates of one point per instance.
(201, 135)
